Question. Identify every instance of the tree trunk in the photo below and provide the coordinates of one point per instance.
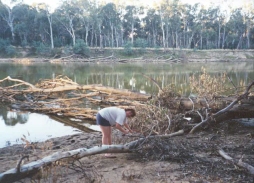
(51, 30)
(28, 170)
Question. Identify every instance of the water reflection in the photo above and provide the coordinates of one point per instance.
(122, 76)
(35, 128)
(11, 118)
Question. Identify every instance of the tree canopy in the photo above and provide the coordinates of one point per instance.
(169, 24)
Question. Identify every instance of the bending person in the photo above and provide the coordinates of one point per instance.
(113, 117)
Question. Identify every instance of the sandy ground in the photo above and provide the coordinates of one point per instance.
(190, 159)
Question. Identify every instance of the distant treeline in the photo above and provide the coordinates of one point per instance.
(79, 24)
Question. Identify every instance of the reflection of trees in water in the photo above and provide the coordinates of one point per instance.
(179, 80)
(12, 118)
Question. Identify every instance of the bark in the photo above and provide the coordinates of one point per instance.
(215, 117)
(67, 85)
(51, 30)
(29, 169)
(239, 163)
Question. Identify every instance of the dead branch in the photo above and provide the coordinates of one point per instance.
(239, 163)
(155, 82)
(17, 80)
(218, 114)
(32, 168)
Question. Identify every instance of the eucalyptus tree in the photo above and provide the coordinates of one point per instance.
(202, 28)
(110, 20)
(45, 11)
(131, 21)
(25, 28)
(220, 19)
(85, 8)
(3, 23)
(152, 26)
(67, 14)
(248, 15)
(163, 23)
(214, 25)
(176, 22)
(188, 16)
(190, 24)
(8, 16)
(97, 19)
(237, 29)
(119, 28)
(171, 21)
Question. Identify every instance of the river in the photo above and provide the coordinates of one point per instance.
(17, 125)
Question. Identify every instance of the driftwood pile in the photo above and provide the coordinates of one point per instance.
(165, 116)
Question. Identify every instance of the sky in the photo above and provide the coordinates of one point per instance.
(234, 3)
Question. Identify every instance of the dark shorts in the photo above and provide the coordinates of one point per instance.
(101, 121)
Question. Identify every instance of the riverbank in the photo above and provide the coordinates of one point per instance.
(190, 158)
(149, 55)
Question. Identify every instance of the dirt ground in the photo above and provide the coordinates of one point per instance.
(180, 159)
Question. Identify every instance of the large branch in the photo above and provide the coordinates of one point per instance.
(239, 163)
(32, 168)
(61, 85)
(223, 111)
(17, 80)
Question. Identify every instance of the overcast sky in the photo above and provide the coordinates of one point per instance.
(233, 3)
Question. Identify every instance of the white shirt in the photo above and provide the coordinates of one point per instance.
(113, 115)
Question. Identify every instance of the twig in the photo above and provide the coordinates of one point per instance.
(239, 163)
(20, 161)
(192, 104)
(212, 118)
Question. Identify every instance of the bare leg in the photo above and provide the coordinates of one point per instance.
(106, 135)
(106, 138)
(110, 136)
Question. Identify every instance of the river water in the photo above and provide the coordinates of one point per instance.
(15, 125)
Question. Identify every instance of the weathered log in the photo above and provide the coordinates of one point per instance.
(71, 123)
(32, 168)
(67, 85)
(239, 163)
(216, 116)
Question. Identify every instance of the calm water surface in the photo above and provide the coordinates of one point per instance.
(38, 127)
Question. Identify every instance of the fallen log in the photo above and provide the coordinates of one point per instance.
(30, 169)
(66, 85)
(215, 117)
(239, 163)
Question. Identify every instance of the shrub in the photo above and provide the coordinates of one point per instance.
(128, 49)
(141, 44)
(40, 48)
(10, 50)
(3, 44)
(81, 48)
(57, 42)
(24, 43)
(56, 52)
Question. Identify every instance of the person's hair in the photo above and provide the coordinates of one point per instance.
(133, 112)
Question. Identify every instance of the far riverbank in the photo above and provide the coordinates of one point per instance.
(147, 55)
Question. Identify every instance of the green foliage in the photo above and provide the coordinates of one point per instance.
(81, 48)
(108, 25)
(128, 49)
(67, 50)
(24, 43)
(56, 52)
(57, 42)
(3, 44)
(141, 44)
(41, 49)
(10, 50)
(157, 49)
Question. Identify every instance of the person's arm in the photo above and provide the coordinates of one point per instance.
(128, 127)
(119, 127)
